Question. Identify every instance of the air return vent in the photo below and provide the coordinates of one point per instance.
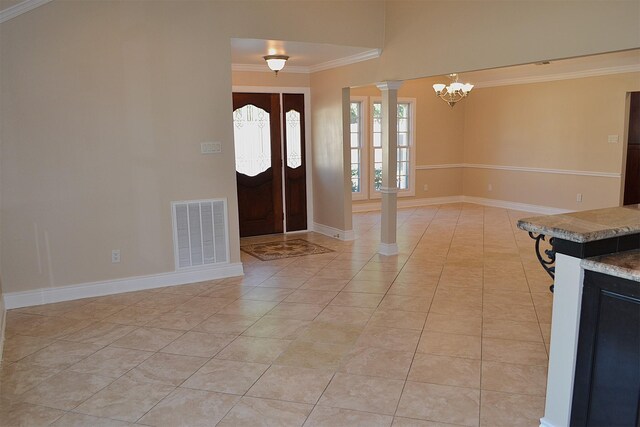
(200, 235)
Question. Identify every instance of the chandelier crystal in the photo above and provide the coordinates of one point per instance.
(454, 92)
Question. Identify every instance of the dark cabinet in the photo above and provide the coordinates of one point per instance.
(607, 380)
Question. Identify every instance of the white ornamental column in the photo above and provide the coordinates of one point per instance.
(565, 327)
(389, 189)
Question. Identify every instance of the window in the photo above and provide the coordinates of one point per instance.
(405, 157)
(358, 148)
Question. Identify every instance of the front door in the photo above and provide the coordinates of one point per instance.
(256, 123)
(295, 182)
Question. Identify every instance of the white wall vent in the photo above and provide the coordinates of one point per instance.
(200, 232)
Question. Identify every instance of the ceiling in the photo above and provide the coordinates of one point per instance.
(593, 65)
(248, 54)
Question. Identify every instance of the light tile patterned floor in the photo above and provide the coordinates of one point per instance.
(453, 331)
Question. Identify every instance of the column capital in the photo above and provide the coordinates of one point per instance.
(389, 85)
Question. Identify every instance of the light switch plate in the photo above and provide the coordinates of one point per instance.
(211, 147)
(613, 139)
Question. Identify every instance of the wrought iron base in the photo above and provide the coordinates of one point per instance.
(548, 263)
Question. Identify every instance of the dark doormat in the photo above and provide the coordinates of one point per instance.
(283, 249)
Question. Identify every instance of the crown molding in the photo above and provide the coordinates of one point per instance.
(364, 56)
(20, 8)
(347, 60)
(389, 85)
(560, 76)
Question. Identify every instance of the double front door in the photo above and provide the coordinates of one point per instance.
(270, 162)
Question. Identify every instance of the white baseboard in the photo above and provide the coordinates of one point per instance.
(546, 423)
(3, 324)
(406, 203)
(388, 249)
(128, 284)
(414, 203)
(544, 210)
(346, 235)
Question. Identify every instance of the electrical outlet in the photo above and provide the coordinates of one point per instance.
(612, 139)
(579, 197)
(115, 256)
(490, 187)
(426, 187)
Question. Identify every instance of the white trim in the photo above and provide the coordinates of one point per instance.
(522, 169)
(334, 63)
(406, 203)
(560, 76)
(3, 324)
(389, 190)
(516, 206)
(565, 328)
(443, 166)
(414, 203)
(306, 91)
(20, 8)
(348, 60)
(388, 249)
(411, 191)
(546, 423)
(389, 85)
(346, 235)
(116, 286)
(363, 194)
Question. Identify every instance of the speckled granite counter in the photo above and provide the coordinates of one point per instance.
(586, 226)
(625, 265)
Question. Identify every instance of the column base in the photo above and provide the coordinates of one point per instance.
(388, 249)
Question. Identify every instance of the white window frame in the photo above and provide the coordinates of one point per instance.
(411, 191)
(364, 148)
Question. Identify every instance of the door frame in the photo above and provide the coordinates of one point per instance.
(306, 91)
(625, 147)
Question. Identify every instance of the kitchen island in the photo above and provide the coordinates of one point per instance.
(575, 238)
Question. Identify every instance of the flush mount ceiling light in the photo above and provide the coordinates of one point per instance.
(276, 62)
(454, 92)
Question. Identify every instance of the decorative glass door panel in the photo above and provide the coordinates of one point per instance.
(294, 139)
(252, 136)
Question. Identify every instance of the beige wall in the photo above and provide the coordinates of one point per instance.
(104, 106)
(555, 125)
(562, 125)
(428, 38)
(269, 79)
(331, 180)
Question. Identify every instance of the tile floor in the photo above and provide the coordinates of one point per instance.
(453, 331)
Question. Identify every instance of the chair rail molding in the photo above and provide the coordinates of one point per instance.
(617, 175)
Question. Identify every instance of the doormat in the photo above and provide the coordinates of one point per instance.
(283, 249)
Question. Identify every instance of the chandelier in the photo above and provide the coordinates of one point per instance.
(454, 92)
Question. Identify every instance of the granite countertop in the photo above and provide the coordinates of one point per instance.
(621, 264)
(586, 226)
